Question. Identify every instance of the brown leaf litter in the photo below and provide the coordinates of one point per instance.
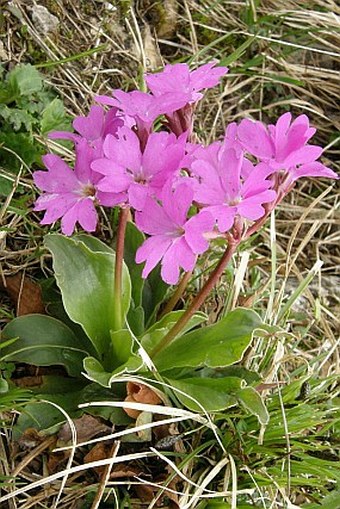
(141, 393)
(25, 294)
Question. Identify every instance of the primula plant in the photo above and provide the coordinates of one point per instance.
(137, 153)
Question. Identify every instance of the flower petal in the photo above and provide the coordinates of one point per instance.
(124, 149)
(137, 194)
(177, 203)
(151, 251)
(153, 220)
(230, 172)
(59, 178)
(195, 229)
(255, 139)
(224, 215)
(87, 215)
(55, 205)
(304, 155)
(178, 255)
(90, 126)
(314, 169)
(251, 208)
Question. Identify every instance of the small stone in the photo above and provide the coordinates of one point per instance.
(109, 7)
(3, 53)
(43, 20)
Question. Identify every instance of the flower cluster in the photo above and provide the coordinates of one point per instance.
(182, 194)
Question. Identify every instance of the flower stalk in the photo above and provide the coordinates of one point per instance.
(122, 222)
(200, 298)
(176, 296)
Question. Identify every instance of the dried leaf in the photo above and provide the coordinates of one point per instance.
(165, 430)
(30, 439)
(86, 426)
(28, 381)
(125, 471)
(153, 56)
(140, 393)
(145, 492)
(25, 294)
(99, 452)
(55, 461)
(267, 386)
(168, 500)
(103, 451)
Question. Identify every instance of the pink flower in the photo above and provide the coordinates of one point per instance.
(136, 173)
(221, 189)
(179, 79)
(313, 169)
(93, 127)
(70, 194)
(174, 239)
(141, 108)
(283, 145)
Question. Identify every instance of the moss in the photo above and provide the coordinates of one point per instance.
(124, 7)
(54, 8)
(204, 35)
(162, 15)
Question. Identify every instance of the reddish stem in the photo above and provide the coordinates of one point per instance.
(199, 299)
(177, 294)
(123, 218)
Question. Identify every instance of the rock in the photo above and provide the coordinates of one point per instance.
(3, 53)
(43, 20)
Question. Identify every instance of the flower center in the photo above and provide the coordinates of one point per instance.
(234, 202)
(88, 190)
(140, 179)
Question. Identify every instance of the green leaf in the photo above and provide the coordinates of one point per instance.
(133, 239)
(16, 117)
(26, 78)
(54, 117)
(331, 501)
(97, 373)
(122, 343)
(158, 330)
(218, 345)
(78, 56)
(235, 371)
(46, 417)
(20, 143)
(93, 243)
(3, 385)
(85, 275)
(285, 79)
(94, 392)
(154, 292)
(9, 92)
(57, 384)
(43, 341)
(5, 186)
(253, 402)
(213, 394)
(136, 319)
